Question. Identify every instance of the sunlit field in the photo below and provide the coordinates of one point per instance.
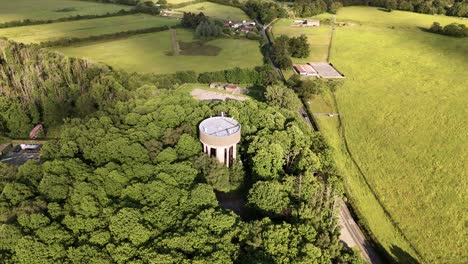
(403, 108)
(216, 11)
(151, 53)
(84, 28)
(52, 9)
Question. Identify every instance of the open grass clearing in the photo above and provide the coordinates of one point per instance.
(216, 11)
(52, 9)
(318, 38)
(84, 28)
(151, 53)
(403, 107)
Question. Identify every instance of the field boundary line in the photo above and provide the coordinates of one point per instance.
(342, 133)
(174, 43)
(331, 40)
(64, 42)
(23, 23)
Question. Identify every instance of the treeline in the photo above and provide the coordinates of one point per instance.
(205, 28)
(259, 76)
(307, 8)
(28, 22)
(447, 7)
(123, 34)
(453, 30)
(264, 11)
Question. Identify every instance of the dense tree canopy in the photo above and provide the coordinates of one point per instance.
(128, 183)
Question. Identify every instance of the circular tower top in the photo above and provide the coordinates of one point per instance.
(220, 131)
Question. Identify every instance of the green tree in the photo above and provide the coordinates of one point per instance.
(126, 224)
(269, 197)
(187, 147)
(299, 47)
(283, 97)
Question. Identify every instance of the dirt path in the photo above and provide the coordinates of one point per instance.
(174, 43)
(204, 95)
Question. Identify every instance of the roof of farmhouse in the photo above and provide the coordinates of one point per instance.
(304, 68)
(219, 126)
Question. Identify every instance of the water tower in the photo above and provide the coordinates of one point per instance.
(219, 136)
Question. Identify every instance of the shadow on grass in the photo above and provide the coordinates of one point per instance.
(198, 48)
(402, 256)
(384, 10)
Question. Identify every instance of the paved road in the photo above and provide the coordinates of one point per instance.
(267, 38)
(352, 236)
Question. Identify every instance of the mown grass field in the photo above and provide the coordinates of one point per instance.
(403, 110)
(84, 28)
(150, 53)
(216, 11)
(51, 9)
(318, 38)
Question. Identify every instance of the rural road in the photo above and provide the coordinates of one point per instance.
(267, 38)
(351, 234)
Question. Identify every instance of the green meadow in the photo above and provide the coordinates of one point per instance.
(84, 28)
(216, 11)
(318, 38)
(403, 112)
(52, 9)
(152, 53)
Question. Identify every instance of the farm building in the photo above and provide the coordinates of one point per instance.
(243, 26)
(231, 88)
(306, 23)
(305, 70)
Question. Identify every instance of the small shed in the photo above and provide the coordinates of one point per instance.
(231, 88)
(305, 70)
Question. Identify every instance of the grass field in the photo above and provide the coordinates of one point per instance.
(217, 11)
(51, 9)
(175, 2)
(149, 53)
(403, 110)
(318, 38)
(84, 28)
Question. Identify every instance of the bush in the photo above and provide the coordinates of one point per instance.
(453, 30)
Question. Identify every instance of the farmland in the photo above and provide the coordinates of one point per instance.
(216, 11)
(151, 53)
(403, 114)
(84, 28)
(52, 9)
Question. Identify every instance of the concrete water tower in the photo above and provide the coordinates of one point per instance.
(219, 136)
